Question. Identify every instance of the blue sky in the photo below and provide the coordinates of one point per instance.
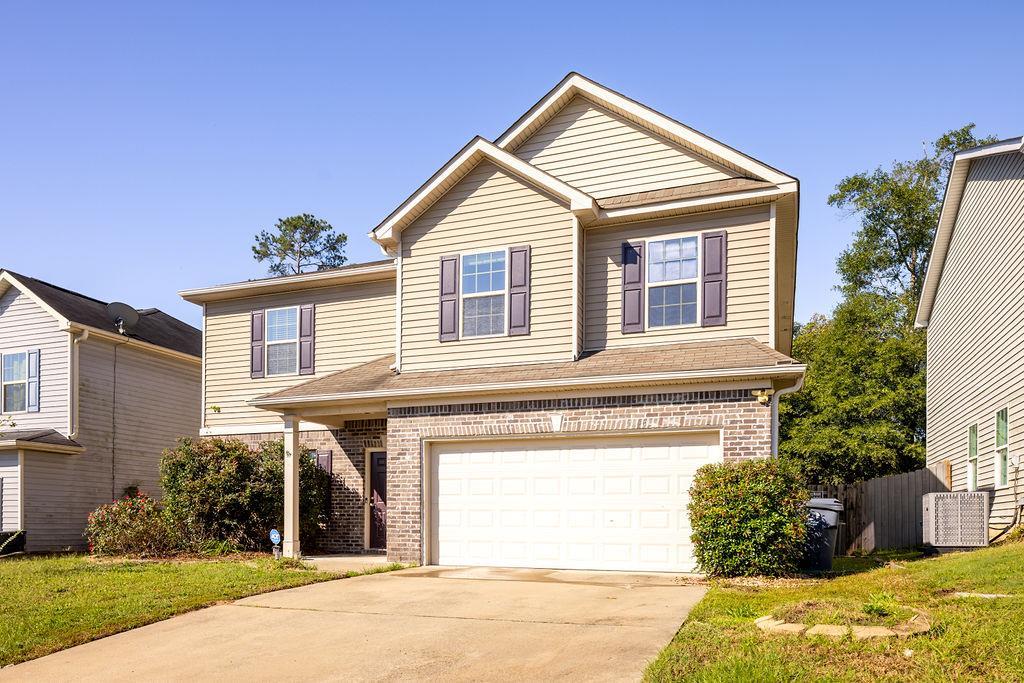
(143, 144)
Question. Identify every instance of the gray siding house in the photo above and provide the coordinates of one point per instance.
(93, 406)
(973, 306)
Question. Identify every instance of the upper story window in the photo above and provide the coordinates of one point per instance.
(484, 283)
(283, 341)
(1002, 448)
(672, 282)
(15, 382)
(972, 458)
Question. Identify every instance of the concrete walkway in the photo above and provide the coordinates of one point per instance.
(417, 624)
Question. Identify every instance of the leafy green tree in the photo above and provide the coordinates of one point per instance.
(861, 413)
(300, 243)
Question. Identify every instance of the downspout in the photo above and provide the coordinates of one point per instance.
(775, 411)
(73, 393)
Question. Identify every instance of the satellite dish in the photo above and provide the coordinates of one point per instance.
(123, 316)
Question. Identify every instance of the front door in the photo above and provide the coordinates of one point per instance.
(379, 500)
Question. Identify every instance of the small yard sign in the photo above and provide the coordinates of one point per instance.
(275, 536)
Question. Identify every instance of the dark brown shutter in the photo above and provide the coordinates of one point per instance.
(519, 291)
(449, 299)
(713, 278)
(307, 330)
(632, 287)
(256, 340)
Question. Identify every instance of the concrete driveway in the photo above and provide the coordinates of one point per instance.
(417, 624)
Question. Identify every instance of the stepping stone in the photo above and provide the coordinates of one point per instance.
(828, 631)
(764, 623)
(916, 625)
(985, 596)
(866, 632)
(787, 629)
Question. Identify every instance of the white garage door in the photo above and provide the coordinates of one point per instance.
(567, 503)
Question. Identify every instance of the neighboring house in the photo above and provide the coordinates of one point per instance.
(93, 408)
(574, 319)
(971, 304)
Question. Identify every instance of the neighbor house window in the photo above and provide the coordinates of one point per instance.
(15, 382)
(1002, 448)
(972, 458)
(484, 283)
(283, 341)
(672, 282)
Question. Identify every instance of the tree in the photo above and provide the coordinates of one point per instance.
(899, 209)
(861, 412)
(300, 243)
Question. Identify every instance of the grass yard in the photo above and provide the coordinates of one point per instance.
(971, 638)
(53, 602)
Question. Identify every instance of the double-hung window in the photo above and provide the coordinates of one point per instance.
(972, 458)
(672, 282)
(1002, 448)
(484, 286)
(282, 341)
(15, 382)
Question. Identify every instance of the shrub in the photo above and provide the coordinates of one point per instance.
(133, 525)
(748, 518)
(221, 490)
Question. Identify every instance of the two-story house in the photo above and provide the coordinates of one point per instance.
(96, 392)
(572, 319)
(971, 303)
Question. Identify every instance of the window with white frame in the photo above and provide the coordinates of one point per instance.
(484, 284)
(672, 282)
(972, 458)
(282, 341)
(15, 382)
(1002, 448)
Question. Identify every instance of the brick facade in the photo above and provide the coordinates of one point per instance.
(745, 425)
(348, 464)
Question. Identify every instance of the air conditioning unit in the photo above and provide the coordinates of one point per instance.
(956, 520)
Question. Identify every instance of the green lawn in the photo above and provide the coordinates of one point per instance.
(53, 602)
(971, 638)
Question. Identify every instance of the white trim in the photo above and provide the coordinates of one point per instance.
(776, 397)
(579, 202)
(772, 266)
(398, 304)
(135, 343)
(4, 384)
(702, 203)
(972, 463)
(275, 285)
(996, 470)
(267, 343)
(575, 83)
(576, 313)
(12, 281)
(650, 378)
(479, 295)
(955, 186)
(23, 445)
(202, 373)
(21, 489)
(268, 428)
(691, 234)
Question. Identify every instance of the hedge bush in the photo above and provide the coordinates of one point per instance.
(221, 490)
(133, 525)
(749, 518)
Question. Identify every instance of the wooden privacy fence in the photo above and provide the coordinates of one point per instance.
(884, 512)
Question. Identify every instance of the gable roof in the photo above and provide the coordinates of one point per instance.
(639, 366)
(72, 308)
(49, 440)
(575, 84)
(955, 186)
(477, 150)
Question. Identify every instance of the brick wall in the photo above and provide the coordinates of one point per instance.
(746, 427)
(348, 463)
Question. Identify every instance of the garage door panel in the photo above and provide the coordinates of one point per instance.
(609, 504)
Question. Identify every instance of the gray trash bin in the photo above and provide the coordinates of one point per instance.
(822, 527)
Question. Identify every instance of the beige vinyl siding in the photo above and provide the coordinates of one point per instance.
(354, 324)
(976, 333)
(24, 325)
(747, 287)
(605, 155)
(10, 491)
(133, 405)
(488, 209)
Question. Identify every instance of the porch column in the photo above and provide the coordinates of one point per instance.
(292, 453)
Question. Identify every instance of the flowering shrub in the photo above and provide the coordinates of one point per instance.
(749, 518)
(133, 525)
